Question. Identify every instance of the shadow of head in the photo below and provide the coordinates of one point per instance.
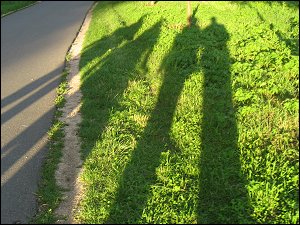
(216, 32)
(213, 20)
(194, 19)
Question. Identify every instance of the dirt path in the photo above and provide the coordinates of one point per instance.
(69, 168)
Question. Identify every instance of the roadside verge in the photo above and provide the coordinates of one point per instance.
(70, 166)
(58, 189)
(13, 11)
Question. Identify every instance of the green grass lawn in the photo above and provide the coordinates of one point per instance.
(11, 6)
(187, 125)
(191, 125)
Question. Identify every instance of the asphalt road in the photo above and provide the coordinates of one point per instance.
(34, 43)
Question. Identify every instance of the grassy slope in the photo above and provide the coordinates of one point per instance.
(191, 125)
(11, 6)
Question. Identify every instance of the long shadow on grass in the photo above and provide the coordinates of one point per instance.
(104, 83)
(139, 174)
(222, 196)
(222, 193)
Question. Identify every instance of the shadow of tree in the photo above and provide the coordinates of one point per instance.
(18, 108)
(20, 159)
(290, 4)
(28, 89)
(292, 39)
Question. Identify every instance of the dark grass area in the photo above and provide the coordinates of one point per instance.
(190, 125)
(11, 6)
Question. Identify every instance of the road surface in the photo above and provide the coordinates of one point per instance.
(34, 43)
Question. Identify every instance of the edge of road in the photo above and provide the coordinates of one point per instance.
(67, 185)
(89, 11)
(20, 9)
(69, 169)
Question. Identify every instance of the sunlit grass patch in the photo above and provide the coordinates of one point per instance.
(194, 125)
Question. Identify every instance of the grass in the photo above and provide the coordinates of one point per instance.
(194, 125)
(182, 125)
(11, 6)
(49, 193)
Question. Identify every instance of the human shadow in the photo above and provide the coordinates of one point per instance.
(112, 80)
(109, 43)
(108, 81)
(139, 174)
(223, 196)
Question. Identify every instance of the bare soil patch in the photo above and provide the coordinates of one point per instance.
(69, 169)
